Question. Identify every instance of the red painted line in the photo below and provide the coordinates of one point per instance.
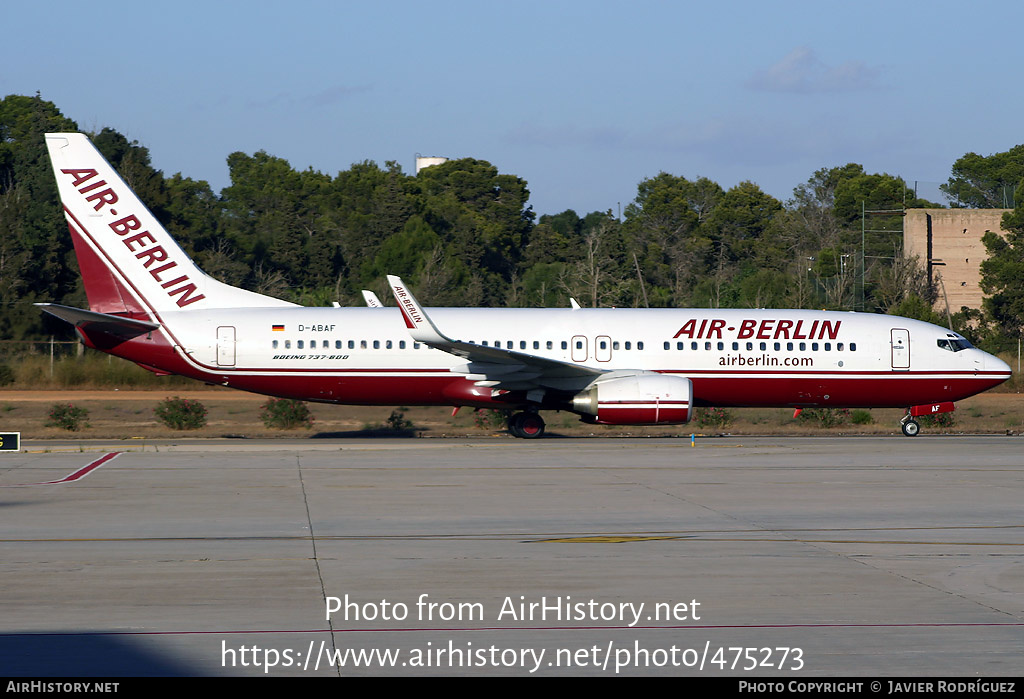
(77, 475)
(446, 629)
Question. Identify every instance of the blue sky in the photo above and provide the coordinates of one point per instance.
(582, 99)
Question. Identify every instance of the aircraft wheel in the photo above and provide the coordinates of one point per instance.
(526, 425)
(513, 425)
(910, 428)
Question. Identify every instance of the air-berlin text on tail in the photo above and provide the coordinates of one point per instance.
(143, 242)
(774, 329)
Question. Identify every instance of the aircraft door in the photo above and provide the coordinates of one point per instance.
(226, 345)
(900, 348)
(603, 348)
(579, 348)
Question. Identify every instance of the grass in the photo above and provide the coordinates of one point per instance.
(91, 370)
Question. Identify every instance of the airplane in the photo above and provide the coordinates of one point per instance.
(150, 304)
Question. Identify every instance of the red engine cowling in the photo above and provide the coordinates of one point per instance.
(638, 399)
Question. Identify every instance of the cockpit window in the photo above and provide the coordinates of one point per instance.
(954, 344)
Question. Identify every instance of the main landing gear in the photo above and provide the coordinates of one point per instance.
(526, 425)
(909, 425)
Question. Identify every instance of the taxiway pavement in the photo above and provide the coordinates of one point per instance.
(796, 557)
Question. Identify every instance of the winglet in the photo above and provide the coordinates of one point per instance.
(371, 299)
(421, 328)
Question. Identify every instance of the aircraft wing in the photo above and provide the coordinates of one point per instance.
(491, 366)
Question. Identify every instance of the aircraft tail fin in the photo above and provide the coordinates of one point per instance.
(129, 262)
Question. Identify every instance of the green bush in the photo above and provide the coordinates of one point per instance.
(396, 421)
(825, 417)
(6, 375)
(286, 414)
(938, 420)
(181, 413)
(712, 417)
(489, 419)
(67, 416)
(861, 417)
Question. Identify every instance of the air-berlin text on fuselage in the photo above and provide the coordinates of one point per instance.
(142, 241)
(773, 329)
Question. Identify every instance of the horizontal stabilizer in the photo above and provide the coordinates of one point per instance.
(91, 322)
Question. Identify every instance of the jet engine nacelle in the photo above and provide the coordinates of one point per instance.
(636, 399)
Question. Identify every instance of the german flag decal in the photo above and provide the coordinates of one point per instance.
(278, 328)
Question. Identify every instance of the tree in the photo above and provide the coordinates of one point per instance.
(1002, 278)
(483, 218)
(36, 259)
(986, 182)
(666, 226)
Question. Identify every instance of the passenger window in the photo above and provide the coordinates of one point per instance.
(680, 345)
(853, 346)
(287, 344)
(693, 345)
(312, 344)
(615, 344)
(579, 344)
(299, 344)
(778, 346)
(803, 346)
(362, 344)
(789, 346)
(604, 344)
(668, 345)
(814, 346)
(387, 345)
(707, 345)
(839, 347)
(415, 345)
(550, 345)
(750, 346)
(640, 345)
(764, 346)
(536, 344)
(401, 344)
(721, 345)
(376, 344)
(351, 344)
(565, 345)
(735, 346)
(828, 346)
(522, 344)
(275, 344)
(629, 345)
(337, 344)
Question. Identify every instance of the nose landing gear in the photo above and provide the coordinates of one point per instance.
(910, 426)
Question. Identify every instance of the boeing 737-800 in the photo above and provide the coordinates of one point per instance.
(149, 303)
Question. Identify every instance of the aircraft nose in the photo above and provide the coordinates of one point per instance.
(993, 363)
